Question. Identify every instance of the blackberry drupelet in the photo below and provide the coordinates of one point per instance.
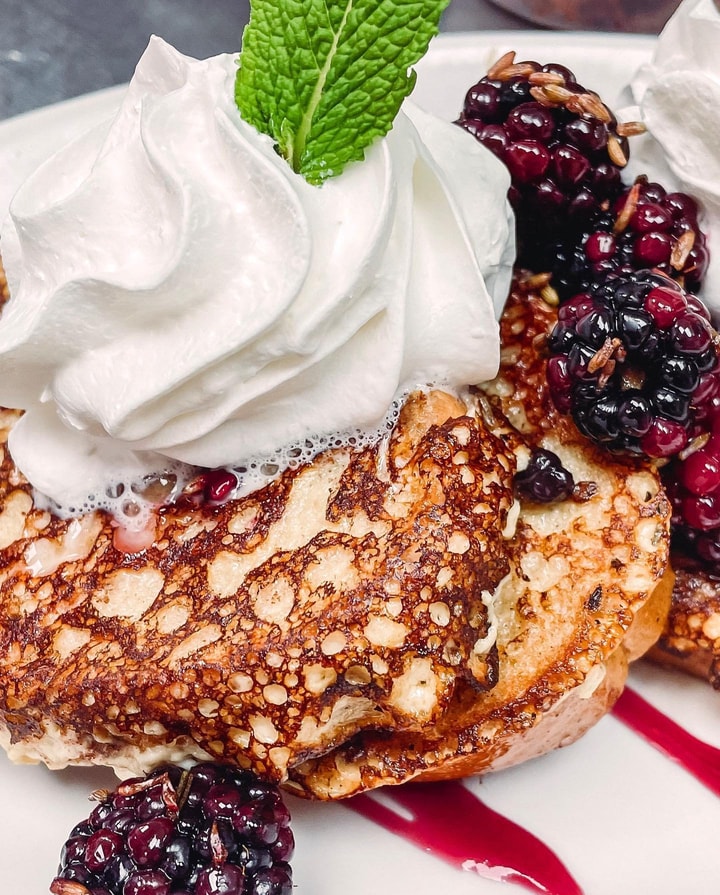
(561, 144)
(634, 360)
(544, 479)
(213, 830)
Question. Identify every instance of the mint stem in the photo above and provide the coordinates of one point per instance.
(307, 119)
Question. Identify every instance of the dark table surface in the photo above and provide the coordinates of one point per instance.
(54, 49)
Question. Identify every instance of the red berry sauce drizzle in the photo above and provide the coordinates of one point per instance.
(494, 846)
(698, 758)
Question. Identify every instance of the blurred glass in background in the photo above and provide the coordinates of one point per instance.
(645, 16)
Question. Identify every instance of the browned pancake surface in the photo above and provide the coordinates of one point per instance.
(585, 594)
(346, 594)
(691, 638)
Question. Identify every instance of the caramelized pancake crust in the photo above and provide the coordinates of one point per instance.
(691, 639)
(350, 593)
(585, 594)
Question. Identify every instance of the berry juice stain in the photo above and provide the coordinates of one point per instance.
(483, 842)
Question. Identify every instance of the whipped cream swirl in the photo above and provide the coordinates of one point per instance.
(179, 294)
(678, 94)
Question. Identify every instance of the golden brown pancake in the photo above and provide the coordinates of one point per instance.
(349, 593)
(690, 640)
(371, 617)
(586, 593)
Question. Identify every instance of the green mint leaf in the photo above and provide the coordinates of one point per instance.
(325, 78)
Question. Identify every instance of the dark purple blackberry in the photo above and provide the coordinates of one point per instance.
(544, 479)
(213, 830)
(645, 227)
(633, 360)
(562, 145)
(692, 482)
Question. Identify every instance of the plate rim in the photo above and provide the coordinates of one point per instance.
(442, 45)
(99, 103)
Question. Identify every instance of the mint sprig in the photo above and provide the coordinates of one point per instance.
(325, 78)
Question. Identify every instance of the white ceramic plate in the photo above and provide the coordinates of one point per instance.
(622, 817)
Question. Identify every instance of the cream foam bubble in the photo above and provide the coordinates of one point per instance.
(132, 501)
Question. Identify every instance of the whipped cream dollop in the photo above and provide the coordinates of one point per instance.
(178, 293)
(678, 95)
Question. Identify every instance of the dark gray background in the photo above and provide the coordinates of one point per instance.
(54, 49)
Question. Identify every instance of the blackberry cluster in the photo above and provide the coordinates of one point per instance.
(645, 227)
(634, 360)
(214, 830)
(633, 356)
(561, 144)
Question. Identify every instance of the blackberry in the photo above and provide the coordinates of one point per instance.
(634, 360)
(213, 830)
(645, 227)
(692, 482)
(544, 479)
(563, 147)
